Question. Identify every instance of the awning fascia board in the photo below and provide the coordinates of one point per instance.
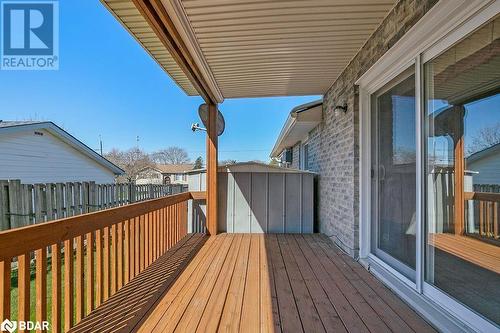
(181, 22)
(161, 22)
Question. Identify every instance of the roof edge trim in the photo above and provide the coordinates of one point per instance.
(186, 32)
(290, 122)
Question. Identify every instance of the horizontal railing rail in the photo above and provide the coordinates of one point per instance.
(86, 258)
(200, 195)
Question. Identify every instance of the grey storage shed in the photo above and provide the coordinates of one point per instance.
(258, 198)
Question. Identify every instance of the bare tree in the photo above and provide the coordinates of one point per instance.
(227, 162)
(132, 161)
(486, 137)
(198, 163)
(404, 155)
(171, 155)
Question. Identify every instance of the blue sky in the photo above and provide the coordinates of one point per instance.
(108, 85)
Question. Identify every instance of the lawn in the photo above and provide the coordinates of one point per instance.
(14, 292)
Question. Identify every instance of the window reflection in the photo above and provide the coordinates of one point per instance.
(462, 89)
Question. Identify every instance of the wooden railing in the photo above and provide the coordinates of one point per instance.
(87, 258)
(486, 211)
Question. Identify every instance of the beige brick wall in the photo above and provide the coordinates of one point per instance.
(334, 144)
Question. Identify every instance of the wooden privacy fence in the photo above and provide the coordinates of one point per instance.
(87, 257)
(26, 204)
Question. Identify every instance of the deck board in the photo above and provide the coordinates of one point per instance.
(252, 283)
(308, 312)
(326, 311)
(385, 313)
(469, 249)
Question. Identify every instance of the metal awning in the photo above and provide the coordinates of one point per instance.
(254, 48)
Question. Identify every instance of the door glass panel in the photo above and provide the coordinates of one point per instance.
(394, 172)
(462, 101)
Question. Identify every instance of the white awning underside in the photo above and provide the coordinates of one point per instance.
(255, 48)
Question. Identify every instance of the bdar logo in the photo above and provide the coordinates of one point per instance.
(8, 326)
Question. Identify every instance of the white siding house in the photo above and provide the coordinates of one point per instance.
(485, 165)
(164, 174)
(41, 152)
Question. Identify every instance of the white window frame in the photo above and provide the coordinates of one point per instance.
(442, 27)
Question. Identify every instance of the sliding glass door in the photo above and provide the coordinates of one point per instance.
(430, 174)
(394, 173)
(462, 110)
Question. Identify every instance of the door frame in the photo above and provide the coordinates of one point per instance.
(440, 28)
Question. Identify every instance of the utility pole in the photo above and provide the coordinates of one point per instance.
(100, 142)
(137, 150)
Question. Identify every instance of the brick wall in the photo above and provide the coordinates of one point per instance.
(336, 140)
(296, 156)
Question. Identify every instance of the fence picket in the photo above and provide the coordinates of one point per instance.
(14, 203)
(4, 205)
(49, 196)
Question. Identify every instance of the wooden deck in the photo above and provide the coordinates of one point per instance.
(469, 249)
(252, 283)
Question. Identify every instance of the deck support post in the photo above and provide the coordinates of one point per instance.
(459, 166)
(212, 191)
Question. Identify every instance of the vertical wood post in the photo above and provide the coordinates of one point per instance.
(212, 146)
(459, 170)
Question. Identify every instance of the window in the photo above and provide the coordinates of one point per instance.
(306, 156)
(462, 112)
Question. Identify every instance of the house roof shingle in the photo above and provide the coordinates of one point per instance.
(174, 168)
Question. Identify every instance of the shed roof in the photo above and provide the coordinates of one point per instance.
(15, 126)
(255, 48)
(253, 166)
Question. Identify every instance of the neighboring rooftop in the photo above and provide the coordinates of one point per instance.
(9, 123)
(14, 126)
(301, 120)
(494, 149)
(174, 168)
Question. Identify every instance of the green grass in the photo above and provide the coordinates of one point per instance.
(14, 293)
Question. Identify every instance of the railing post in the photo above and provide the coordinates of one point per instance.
(459, 167)
(212, 146)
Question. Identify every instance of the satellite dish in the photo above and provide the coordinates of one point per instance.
(203, 113)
